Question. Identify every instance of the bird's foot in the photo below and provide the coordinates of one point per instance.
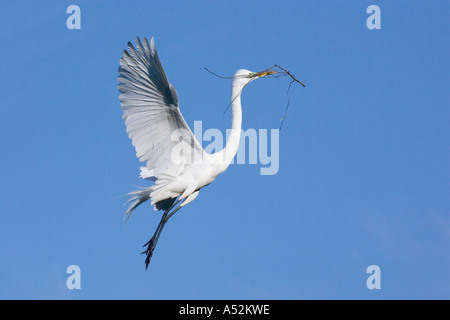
(149, 251)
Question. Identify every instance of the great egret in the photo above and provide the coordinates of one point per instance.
(174, 159)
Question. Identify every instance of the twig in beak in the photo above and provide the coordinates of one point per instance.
(286, 72)
(268, 73)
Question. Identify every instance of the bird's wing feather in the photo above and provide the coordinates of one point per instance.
(150, 110)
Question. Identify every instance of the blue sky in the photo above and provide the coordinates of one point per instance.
(364, 160)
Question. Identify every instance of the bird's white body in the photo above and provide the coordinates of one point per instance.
(174, 158)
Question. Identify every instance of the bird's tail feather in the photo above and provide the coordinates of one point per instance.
(137, 197)
(161, 197)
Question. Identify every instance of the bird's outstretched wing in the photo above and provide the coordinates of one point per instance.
(151, 113)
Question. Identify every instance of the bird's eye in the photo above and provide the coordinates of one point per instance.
(252, 74)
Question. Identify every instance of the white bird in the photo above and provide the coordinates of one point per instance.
(173, 157)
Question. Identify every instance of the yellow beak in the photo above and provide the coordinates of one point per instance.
(265, 73)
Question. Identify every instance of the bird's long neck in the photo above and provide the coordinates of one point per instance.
(226, 155)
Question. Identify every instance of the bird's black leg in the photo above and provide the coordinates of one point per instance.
(151, 244)
(172, 213)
